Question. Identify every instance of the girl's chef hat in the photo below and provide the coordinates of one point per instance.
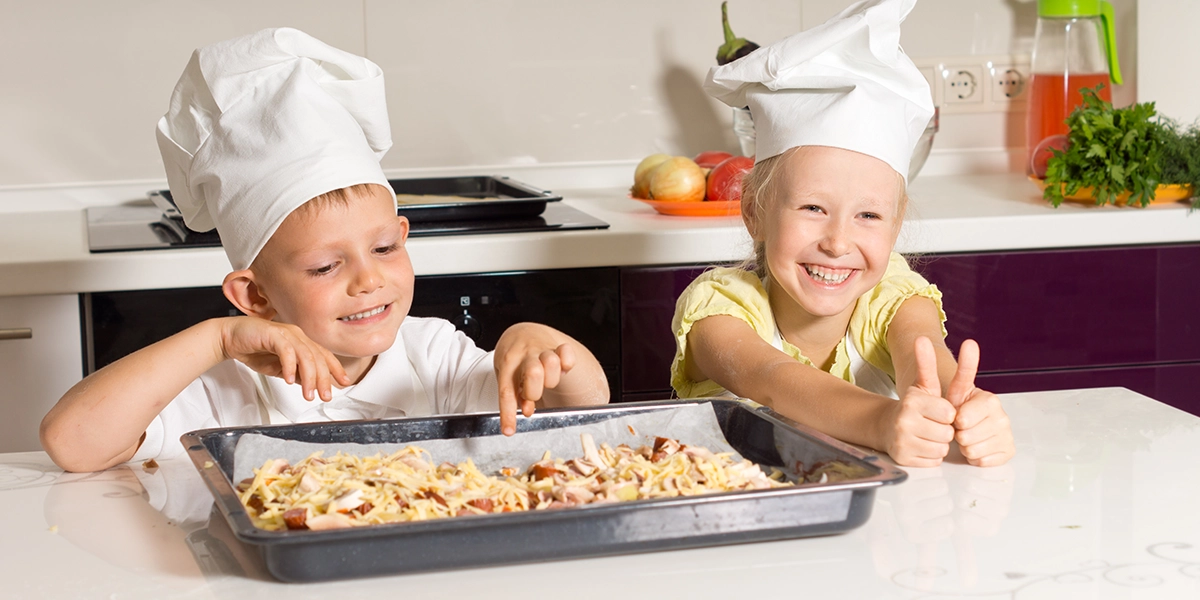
(845, 83)
(261, 124)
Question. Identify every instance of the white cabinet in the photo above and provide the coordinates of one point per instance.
(41, 357)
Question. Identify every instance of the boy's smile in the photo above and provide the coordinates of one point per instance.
(341, 273)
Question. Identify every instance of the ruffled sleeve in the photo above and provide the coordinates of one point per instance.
(723, 291)
(875, 310)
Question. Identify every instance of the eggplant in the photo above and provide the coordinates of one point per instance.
(734, 47)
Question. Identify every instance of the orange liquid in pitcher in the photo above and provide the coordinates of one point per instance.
(1052, 97)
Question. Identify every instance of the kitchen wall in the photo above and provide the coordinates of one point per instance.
(493, 84)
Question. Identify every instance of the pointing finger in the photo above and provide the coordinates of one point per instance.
(507, 398)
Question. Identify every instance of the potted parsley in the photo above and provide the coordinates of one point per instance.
(1123, 155)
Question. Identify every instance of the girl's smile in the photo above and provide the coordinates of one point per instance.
(828, 230)
(830, 277)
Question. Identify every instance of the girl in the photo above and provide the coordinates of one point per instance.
(831, 322)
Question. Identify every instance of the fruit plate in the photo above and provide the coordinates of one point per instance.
(695, 209)
(1163, 194)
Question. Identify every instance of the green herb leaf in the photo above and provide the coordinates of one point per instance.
(1111, 150)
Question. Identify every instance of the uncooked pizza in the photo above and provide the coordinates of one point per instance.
(347, 491)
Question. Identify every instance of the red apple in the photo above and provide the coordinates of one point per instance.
(677, 179)
(710, 158)
(1042, 154)
(725, 179)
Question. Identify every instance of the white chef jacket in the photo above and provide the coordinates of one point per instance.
(432, 368)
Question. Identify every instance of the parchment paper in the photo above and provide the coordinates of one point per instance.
(691, 424)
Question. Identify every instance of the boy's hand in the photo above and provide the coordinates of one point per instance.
(282, 350)
(919, 430)
(529, 359)
(982, 428)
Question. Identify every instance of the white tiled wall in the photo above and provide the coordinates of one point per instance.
(470, 82)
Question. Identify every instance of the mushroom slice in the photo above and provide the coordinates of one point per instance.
(329, 521)
(347, 501)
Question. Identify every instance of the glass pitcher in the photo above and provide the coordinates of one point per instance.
(1074, 48)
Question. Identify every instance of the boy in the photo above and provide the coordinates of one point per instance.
(275, 139)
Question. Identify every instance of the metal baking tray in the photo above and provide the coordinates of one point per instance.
(756, 432)
(484, 197)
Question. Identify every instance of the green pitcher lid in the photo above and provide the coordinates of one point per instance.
(1088, 8)
(1068, 8)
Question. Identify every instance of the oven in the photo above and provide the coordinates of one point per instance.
(584, 303)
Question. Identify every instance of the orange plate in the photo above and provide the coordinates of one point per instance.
(1163, 194)
(695, 209)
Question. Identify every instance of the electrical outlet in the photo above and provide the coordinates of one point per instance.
(977, 84)
(963, 85)
(1008, 83)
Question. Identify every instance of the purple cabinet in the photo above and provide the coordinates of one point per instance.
(1047, 319)
(647, 344)
(1057, 319)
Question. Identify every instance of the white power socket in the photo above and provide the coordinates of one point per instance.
(976, 84)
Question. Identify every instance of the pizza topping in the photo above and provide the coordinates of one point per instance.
(346, 491)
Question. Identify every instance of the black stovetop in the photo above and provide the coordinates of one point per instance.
(146, 227)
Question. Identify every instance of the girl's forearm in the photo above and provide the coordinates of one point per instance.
(100, 421)
(819, 400)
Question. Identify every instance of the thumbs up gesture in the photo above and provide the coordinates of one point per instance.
(981, 426)
(919, 431)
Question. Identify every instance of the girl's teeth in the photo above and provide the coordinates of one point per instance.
(363, 315)
(824, 276)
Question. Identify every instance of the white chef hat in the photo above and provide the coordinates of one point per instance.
(845, 83)
(260, 124)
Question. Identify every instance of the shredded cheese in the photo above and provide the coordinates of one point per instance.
(347, 491)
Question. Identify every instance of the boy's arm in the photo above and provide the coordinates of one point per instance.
(539, 364)
(100, 421)
(914, 431)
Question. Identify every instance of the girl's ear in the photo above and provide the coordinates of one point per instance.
(242, 290)
(750, 218)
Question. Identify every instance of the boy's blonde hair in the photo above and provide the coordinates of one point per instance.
(758, 192)
(341, 198)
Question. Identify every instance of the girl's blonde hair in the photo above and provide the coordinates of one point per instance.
(757, 194)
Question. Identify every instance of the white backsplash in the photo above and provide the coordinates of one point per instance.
(498, 84)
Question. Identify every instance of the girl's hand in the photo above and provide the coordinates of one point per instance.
(982, 428)
(919, 432)
(282, 350)
(529, 359)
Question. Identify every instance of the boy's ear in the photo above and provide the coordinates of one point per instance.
(242, 290)
(407, 226)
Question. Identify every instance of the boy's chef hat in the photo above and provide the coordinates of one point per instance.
(259, 125)
(845, 83)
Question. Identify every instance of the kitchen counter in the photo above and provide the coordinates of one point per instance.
(43, 234)
(1098, 502)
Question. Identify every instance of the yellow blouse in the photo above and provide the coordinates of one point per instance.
(740, 294)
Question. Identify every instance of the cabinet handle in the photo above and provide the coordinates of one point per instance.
(16, 333)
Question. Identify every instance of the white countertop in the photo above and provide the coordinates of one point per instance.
(1099, 502)
(43, 235)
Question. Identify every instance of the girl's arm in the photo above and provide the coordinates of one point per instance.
(915, 431)
(100, 421)
(982, 428)
(539, 364)
(918, 317)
